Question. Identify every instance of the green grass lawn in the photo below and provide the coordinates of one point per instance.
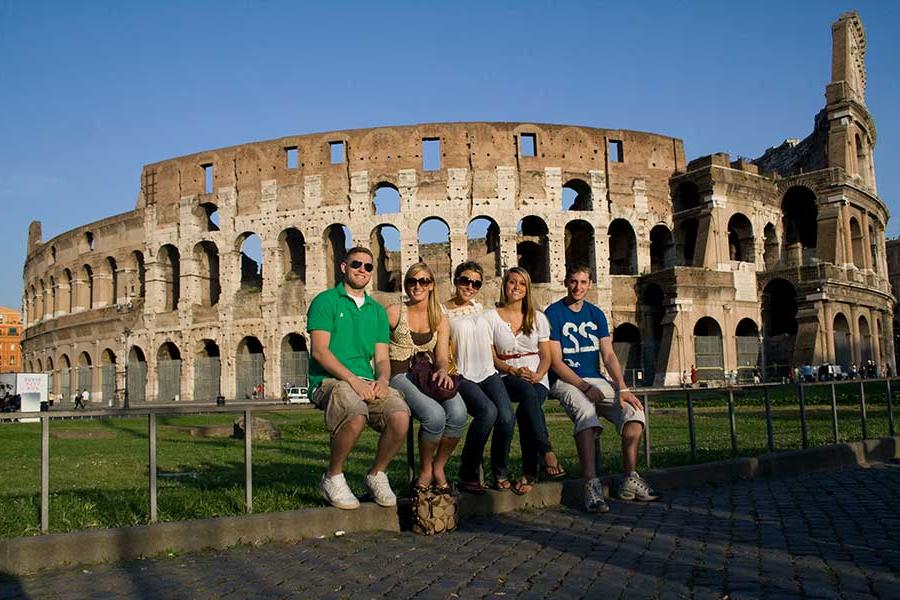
(102, 481)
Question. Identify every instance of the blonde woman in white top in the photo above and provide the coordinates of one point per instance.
(481, 387)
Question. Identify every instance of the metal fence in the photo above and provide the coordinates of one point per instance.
(136, 384)
(108, 384)
(169, 375)
(207, 372)
(250, 372)
(294, 368)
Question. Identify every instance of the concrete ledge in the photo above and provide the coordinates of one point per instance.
(23, 555)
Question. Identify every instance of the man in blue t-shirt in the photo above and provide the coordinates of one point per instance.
(579, 339)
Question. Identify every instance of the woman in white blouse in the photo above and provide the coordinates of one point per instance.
(521, 343)
(481, 388)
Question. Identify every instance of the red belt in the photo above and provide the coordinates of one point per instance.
(512, 356)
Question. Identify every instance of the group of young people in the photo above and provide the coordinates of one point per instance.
(483, 362)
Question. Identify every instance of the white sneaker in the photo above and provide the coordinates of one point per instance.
(380, 488)
(337, 493)
(594, 501)
(635, 487)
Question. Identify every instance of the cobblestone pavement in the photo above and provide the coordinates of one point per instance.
(824, 535)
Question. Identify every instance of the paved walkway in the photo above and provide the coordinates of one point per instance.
(826, 535)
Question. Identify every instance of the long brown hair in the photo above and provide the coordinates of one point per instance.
(527, 307)
(434, 305)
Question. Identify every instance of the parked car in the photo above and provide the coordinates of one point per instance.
(297, 395)
(828, 372)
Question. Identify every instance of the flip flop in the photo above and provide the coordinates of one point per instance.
(472, 487)
(554, 472)
(523, 486)
(502, 485)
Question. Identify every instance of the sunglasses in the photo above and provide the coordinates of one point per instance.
(463, 280)
(355, 264)
(421, 282)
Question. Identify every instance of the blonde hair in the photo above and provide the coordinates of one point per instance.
(434, 305)
(527, 307)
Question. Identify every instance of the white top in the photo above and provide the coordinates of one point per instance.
(507, 342)
(470, 334)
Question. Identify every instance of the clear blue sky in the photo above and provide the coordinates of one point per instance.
(91, 91)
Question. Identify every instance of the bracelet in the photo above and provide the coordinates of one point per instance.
(624, 389)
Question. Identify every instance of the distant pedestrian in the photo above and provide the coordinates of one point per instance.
(79, 400)
(693, 375)
(85, 396)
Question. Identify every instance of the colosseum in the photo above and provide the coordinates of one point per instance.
(729, 265)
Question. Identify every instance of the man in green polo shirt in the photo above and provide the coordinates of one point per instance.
(349, 331)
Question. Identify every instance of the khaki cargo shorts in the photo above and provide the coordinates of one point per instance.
(341, 404)
(584, 413)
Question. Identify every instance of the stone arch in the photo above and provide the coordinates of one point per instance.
(39, 365)
(294, 360)
(54, 296)
(873, 248)
(865, 341)
(856, 243)
(137, 260)
(250, 369)
(249, 244)
(577, 195)
(741, 245)
(843, 341)
(208, 216)
(771, 251)
(112, 269)
(206, 258)
(87, 243)
(108, 377)
(651, 311)
(292, 246)
(85, 371)
(747, 348)
(207, 371)
(779, 316)
(686, 241)
(626, 340)
(579, 244)
(168, 372)
(384, 242)
(533, 248)
(136, 375)
(483, 244)
(386, 199)
(70, 294)
(662, 248)
(709, 358)
(622, 248)
(799, 217)
(862, 159)
(686, 197)
(170, 272)
(336, 239)
(434, 245)
(66, 385)
(87, 287)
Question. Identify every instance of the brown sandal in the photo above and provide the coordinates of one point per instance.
(502, 485)
(524, 485)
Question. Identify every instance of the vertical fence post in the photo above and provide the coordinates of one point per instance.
(647, 429)
(834, 414)
(45, 472)
(731, 424)
(890, 408)
(770, 435)
(151, 426)
(411, 455)
(862, 410)
(804, 428)
(691, 426)
(248, 460)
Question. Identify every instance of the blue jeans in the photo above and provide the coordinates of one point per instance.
(489, 405)
(439, 419)
(533, 435)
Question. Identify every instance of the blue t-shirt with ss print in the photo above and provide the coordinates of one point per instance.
(579, 334)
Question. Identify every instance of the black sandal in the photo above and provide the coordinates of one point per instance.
(524, 485)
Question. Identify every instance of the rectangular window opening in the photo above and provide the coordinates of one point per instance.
(615, 151)
(337, 152)
(207, 178)
(291, 155)
(528, 144)
(431, 154)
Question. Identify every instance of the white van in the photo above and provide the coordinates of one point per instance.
(297, 395)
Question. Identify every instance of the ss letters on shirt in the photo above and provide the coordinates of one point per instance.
(584, 329)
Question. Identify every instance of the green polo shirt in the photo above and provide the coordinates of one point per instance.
(354, 332)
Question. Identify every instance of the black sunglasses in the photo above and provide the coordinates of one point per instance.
(463, 280)
(422, 281)
(355, 264)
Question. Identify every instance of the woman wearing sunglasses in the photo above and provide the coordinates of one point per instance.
(481, 387)
(521, 343)
(419, 325)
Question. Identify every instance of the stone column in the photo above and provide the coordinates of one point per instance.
(866, 242)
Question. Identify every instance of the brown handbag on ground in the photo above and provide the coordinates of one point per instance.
(434, 511)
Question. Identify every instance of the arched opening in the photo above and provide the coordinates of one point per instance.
(799, 217)
(294, 361)
(209, 216)
(386, 200)
(207, 371)
(687, 196)
(626, 339)
(856, 241)
(54, 297)
(85, 371)
(873, 248)
(579, 244)
(843, 347)
(533, 248)
(662, 248)
(87, 242)
(434, 246)
(51, 376)
(865, 341)
(206, 258)
(337, 240)
(137, 288)
(746, 342)
(686, 241)
(650, 316)
(39, 366)
(250, 247)
(576, 195)
(709, 356)
(87, 288)
(136, 377)
(771, 254)
(862, 159)
(741, 246)
(385, 245)
(108, 377)
(170, 270)
(168, 372)
(66, 393)
(250, 369)
(293, 255)
(70, 291)
(483, 245)
(622, 248)
(779, 315)
(42, 313)
(112, 270)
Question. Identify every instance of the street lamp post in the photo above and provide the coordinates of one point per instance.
(126, 334)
